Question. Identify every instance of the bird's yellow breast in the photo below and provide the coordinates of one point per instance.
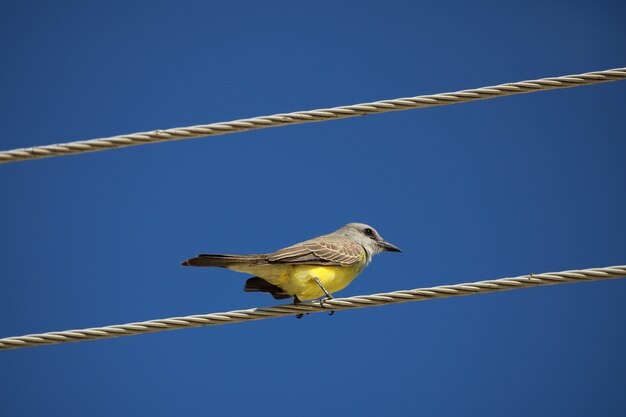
(299, 280)
(334, 278)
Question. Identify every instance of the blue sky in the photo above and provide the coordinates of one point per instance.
(503, 187)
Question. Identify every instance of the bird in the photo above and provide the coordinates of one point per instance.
(307, 270)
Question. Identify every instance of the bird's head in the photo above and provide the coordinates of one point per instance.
(369, 238)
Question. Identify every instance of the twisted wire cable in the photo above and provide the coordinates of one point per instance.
(318, 115)
(363, 301)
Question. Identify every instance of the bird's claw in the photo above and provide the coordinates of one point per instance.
(323, 299)
(296, 301)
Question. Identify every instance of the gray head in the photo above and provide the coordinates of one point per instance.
(367, 237)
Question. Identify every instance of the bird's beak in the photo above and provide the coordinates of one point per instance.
(389, 247)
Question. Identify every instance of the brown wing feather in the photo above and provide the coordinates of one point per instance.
(319, 252)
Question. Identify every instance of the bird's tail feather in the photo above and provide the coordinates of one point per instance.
(221, 260)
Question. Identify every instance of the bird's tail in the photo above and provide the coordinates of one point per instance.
(221, 260)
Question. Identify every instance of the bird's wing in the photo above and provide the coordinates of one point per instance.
(320, 251)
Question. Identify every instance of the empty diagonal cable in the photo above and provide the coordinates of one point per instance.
(237, 316)
(312, 115)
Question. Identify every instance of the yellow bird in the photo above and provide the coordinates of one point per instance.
(306, 270)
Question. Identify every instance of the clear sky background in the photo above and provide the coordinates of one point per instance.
(504, 187)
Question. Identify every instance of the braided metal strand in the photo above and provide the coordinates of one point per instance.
(319, 115)
(362, 301)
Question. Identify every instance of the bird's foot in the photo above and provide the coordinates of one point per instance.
(297, 301)
(328, 295)
(323, 299)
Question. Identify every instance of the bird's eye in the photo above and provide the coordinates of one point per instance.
(369, 232)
